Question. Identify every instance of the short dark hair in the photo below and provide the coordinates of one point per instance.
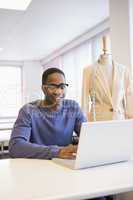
(49, 71)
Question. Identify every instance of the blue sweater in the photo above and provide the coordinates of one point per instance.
(40, 133)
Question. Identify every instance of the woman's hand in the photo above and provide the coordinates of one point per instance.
(68, 152)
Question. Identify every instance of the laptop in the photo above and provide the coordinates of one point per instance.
(101, 143)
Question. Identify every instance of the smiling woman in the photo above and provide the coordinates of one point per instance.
(44, 128)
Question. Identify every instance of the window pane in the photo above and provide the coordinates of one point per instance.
(10, 91)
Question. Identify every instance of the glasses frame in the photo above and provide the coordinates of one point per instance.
(54, 87)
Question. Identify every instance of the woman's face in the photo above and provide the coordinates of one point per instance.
(54, 89)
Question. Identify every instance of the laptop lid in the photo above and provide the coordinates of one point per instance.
(104, 142)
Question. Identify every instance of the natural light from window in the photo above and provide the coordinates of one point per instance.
(10, 91)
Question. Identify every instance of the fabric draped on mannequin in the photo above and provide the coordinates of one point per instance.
(105, 98)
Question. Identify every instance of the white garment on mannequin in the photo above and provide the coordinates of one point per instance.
(106, 63)
(114, 103)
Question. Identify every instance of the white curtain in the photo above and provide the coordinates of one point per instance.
(72, 64)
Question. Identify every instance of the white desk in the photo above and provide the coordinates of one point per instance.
(29, 179)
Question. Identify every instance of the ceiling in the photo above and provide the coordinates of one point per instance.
(46, 26)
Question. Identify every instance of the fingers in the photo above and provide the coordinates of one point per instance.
(68, 152)
(68, 156)
(72, 148)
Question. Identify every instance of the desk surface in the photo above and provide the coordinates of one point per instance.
(29, 179)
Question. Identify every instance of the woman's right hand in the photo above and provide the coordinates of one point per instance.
(68, 152)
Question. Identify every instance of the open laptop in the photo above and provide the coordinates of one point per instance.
(102, 142)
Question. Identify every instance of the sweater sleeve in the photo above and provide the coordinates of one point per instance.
(20, 145)
(80, 118)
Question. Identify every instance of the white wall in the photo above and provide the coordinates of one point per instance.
(98, 29)
(120, 31)
(31, 77)
(131, 31)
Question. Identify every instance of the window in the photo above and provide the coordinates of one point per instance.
(10, 92)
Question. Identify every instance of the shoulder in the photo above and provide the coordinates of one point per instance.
(120, 67)
(69, 103)
(72, 109)
(29, 107)
(88, 69)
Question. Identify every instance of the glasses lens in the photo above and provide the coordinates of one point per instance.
(63, 86)
(52, 87)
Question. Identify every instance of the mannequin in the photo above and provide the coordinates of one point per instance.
(105, 60)
(107, 91)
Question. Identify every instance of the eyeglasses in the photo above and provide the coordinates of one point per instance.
(54, 87)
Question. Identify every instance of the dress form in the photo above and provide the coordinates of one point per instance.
(106, 63)
(107, 91)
